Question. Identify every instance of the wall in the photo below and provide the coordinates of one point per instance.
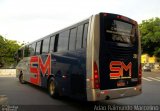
(7, 72)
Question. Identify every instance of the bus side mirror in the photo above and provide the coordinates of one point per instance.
(15, 57)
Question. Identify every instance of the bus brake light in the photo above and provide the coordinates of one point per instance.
(140, 74)
(96, 77)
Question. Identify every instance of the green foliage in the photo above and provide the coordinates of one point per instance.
(7, 50)
(150, 34)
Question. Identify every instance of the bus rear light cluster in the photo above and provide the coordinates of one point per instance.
(96, 77)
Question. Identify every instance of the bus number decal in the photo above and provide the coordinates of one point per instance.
(37, 67)
(117, 68)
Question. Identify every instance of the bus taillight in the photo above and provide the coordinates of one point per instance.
(140, 74)
(96, 77)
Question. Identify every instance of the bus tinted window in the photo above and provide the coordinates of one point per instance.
(20, 53)
(32, 49)
(79, 37)
(63, 41)
(118, 31)
(26, 51)
(45, 46)
(72, 39)
(38, 48)
(52, 43)
(56, 42)
(85, 35)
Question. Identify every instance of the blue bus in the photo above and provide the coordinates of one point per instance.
(95, 59)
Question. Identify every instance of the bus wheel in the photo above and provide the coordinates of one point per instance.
(21, 79)
(52, 88)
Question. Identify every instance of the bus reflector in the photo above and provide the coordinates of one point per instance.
(96, 77)
(139, 74)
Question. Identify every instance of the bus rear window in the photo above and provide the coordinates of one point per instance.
(121, 27)
(118, 31)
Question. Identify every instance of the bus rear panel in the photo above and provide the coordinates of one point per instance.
(116, 69)
(118, 59)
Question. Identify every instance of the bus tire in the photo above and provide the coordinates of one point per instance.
(21, 79)
(52, 89)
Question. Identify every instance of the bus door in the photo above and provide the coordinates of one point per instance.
(61, 70)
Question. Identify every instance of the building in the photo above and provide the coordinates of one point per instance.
(147, 60)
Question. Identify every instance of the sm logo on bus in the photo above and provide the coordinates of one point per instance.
(117, 69)
(39, 67)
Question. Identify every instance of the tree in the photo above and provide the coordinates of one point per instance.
(7, 50)
(150, 34)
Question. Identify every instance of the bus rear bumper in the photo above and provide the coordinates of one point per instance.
(97, 95)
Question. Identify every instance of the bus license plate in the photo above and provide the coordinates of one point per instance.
(121, 83)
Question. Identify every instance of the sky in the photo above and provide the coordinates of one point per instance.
(29, 20)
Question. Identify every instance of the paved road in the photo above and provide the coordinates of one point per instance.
(14, 93)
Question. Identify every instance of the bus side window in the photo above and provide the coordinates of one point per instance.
(26, 51)
(20, 53)
(45, 46)
(32, 49)
(79, 37)
(85, 35)
(56, 42)
(38, 48)
(72, 39)
(51, 47)
(63, 41)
